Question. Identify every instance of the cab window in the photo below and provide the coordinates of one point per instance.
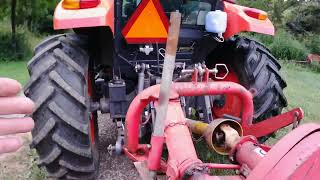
(193, 12)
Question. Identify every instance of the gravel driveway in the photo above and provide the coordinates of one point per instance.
(112, 167)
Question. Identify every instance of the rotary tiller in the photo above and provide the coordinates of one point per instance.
(294, 157)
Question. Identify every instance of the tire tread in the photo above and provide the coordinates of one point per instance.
(61, 115)
(270, 98)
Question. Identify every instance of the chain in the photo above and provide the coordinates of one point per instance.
(185, 124)
(175, 124)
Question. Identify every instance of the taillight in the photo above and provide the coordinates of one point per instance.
(256, 13)
(80, 4)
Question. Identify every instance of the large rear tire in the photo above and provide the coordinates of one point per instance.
(65, 134)
(257, 70)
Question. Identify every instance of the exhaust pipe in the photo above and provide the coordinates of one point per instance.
(221, 134)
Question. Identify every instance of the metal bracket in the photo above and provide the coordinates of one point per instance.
(216, 70)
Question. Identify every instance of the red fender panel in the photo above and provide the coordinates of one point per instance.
(102, 15)
(240, 21)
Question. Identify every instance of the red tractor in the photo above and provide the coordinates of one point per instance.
(115, 55)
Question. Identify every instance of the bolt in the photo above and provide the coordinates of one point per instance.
(111, 149)
(253, 91)
(189, 111)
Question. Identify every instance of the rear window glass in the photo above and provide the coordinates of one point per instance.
(193, 12)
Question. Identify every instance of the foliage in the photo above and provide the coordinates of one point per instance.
(36, 15)
(25, 41)
(4, 9)
(312, 41)
(301, 17)
(39, 15)
(308, 19)
(265, 5)
(276, 8)
(283, 45)
(9, 53)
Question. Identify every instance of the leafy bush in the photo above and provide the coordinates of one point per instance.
(304, 18)
(10, 53)
(313, 43)
(267, 40)
(265, 5)
(36, 15)
(283, 45)
(25, 41)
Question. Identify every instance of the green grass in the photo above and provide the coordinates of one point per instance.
(303, 90)
(16, 70)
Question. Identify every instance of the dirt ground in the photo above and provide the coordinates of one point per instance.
(22, 165)
(113, 167)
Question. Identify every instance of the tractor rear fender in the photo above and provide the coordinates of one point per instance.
(240, 19)
(102, 15)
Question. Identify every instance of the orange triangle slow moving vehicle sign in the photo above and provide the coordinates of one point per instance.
(148, 24)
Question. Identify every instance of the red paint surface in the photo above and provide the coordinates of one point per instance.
(272, 124)
(295, 155)
(92, 129)
(239, 21)
(183, 89)
(182, 154)
(91, 118)
(299, 161)
(178, 139)
(221, 166)
(245, 154)
(102, 15)
(233, 105)
(155, 153)
(84, 4)
(313, 57)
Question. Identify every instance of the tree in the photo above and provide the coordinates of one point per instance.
(308, 19)
(13, 23)
(259, 4)
(37, 15)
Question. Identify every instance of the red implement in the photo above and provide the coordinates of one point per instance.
(183, 158)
